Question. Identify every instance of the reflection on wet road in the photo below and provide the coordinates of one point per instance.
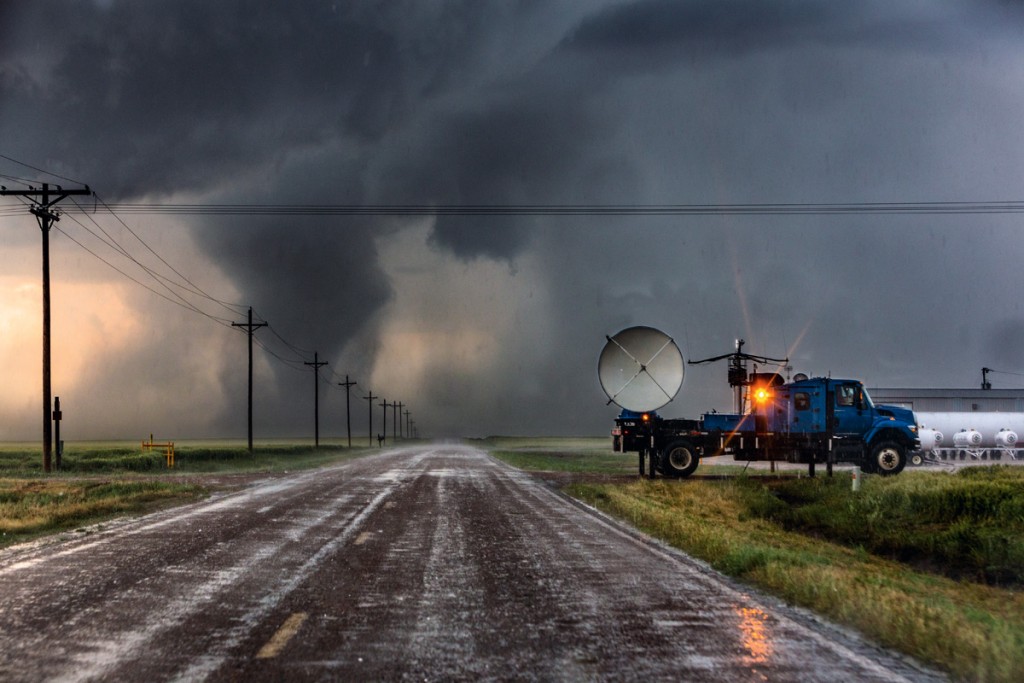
(434, 563)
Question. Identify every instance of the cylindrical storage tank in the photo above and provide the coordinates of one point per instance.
(930, 439)
(968, 438)
(987, 423)
(1006, 438)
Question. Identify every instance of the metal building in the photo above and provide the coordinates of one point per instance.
(952, 400)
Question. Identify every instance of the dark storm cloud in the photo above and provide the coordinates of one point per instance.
(716, 101)
(528, 148)
(715, 26)
(662, 34)
(164, 97)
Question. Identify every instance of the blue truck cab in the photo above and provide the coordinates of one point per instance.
(809, 420)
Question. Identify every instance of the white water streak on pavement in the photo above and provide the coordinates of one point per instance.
(228, 641)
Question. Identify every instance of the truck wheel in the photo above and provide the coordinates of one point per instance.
(888, 457)
(916, 459)
(679, 459)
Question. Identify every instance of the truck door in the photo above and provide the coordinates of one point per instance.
(806, 412)
(851, 417)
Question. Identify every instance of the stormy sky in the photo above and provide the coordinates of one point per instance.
(493, 324)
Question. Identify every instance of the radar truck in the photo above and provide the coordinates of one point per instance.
(813, 421)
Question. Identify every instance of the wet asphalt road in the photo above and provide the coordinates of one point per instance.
(430, 563)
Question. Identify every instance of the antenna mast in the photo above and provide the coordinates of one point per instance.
(738, 375)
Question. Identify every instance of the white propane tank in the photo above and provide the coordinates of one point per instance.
(987, 423)
(1006, 438)
(967, 438)
(930, 439)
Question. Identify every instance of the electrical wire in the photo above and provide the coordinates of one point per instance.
(754, 209)
(234, 309)
(185, 305)
(1004, 372)
(298, 350)
(294, 364)
(40, 170)
(24, 181)
(162, 280)
(108, 240)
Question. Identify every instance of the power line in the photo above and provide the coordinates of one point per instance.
(183, 303)
(753, 209)
(233, 308)
(160, 279)
(17, 179)
(40, 170)
(1005, 372)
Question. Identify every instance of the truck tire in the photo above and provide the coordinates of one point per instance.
(887, 458)
(679, 459)
(916, 459)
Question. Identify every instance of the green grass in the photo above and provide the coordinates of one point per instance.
(120, 457)
(581, 454)
(98, 481)
(926, 563)
(968, 525)
(32, 508)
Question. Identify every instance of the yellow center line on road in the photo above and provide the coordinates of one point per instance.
(277, 642)
(362, 538)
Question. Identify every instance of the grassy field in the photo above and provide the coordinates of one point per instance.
(927, 563)
(30, 508)
(99, 481)
(24, 460)
(564, 455)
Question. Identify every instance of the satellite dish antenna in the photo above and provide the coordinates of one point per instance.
(641, 369)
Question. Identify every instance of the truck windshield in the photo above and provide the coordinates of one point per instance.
(867, 400)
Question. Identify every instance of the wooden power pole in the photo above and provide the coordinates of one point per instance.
(316, 365)
(249, 328)
(43, 199)
(369, 432)
(348, 411)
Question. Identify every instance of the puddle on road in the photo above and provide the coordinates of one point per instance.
(756, 638)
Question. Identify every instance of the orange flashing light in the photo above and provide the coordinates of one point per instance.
(762, 394)
(645, 417)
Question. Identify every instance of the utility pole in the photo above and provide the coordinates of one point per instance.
(412, 428)
(384, 418)
(58, 415)
(249, 328)
(348, 412)
(369, 432)
(408, 429)
(402, 436)
(42, 200)
(394, 423)
(316, 365)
